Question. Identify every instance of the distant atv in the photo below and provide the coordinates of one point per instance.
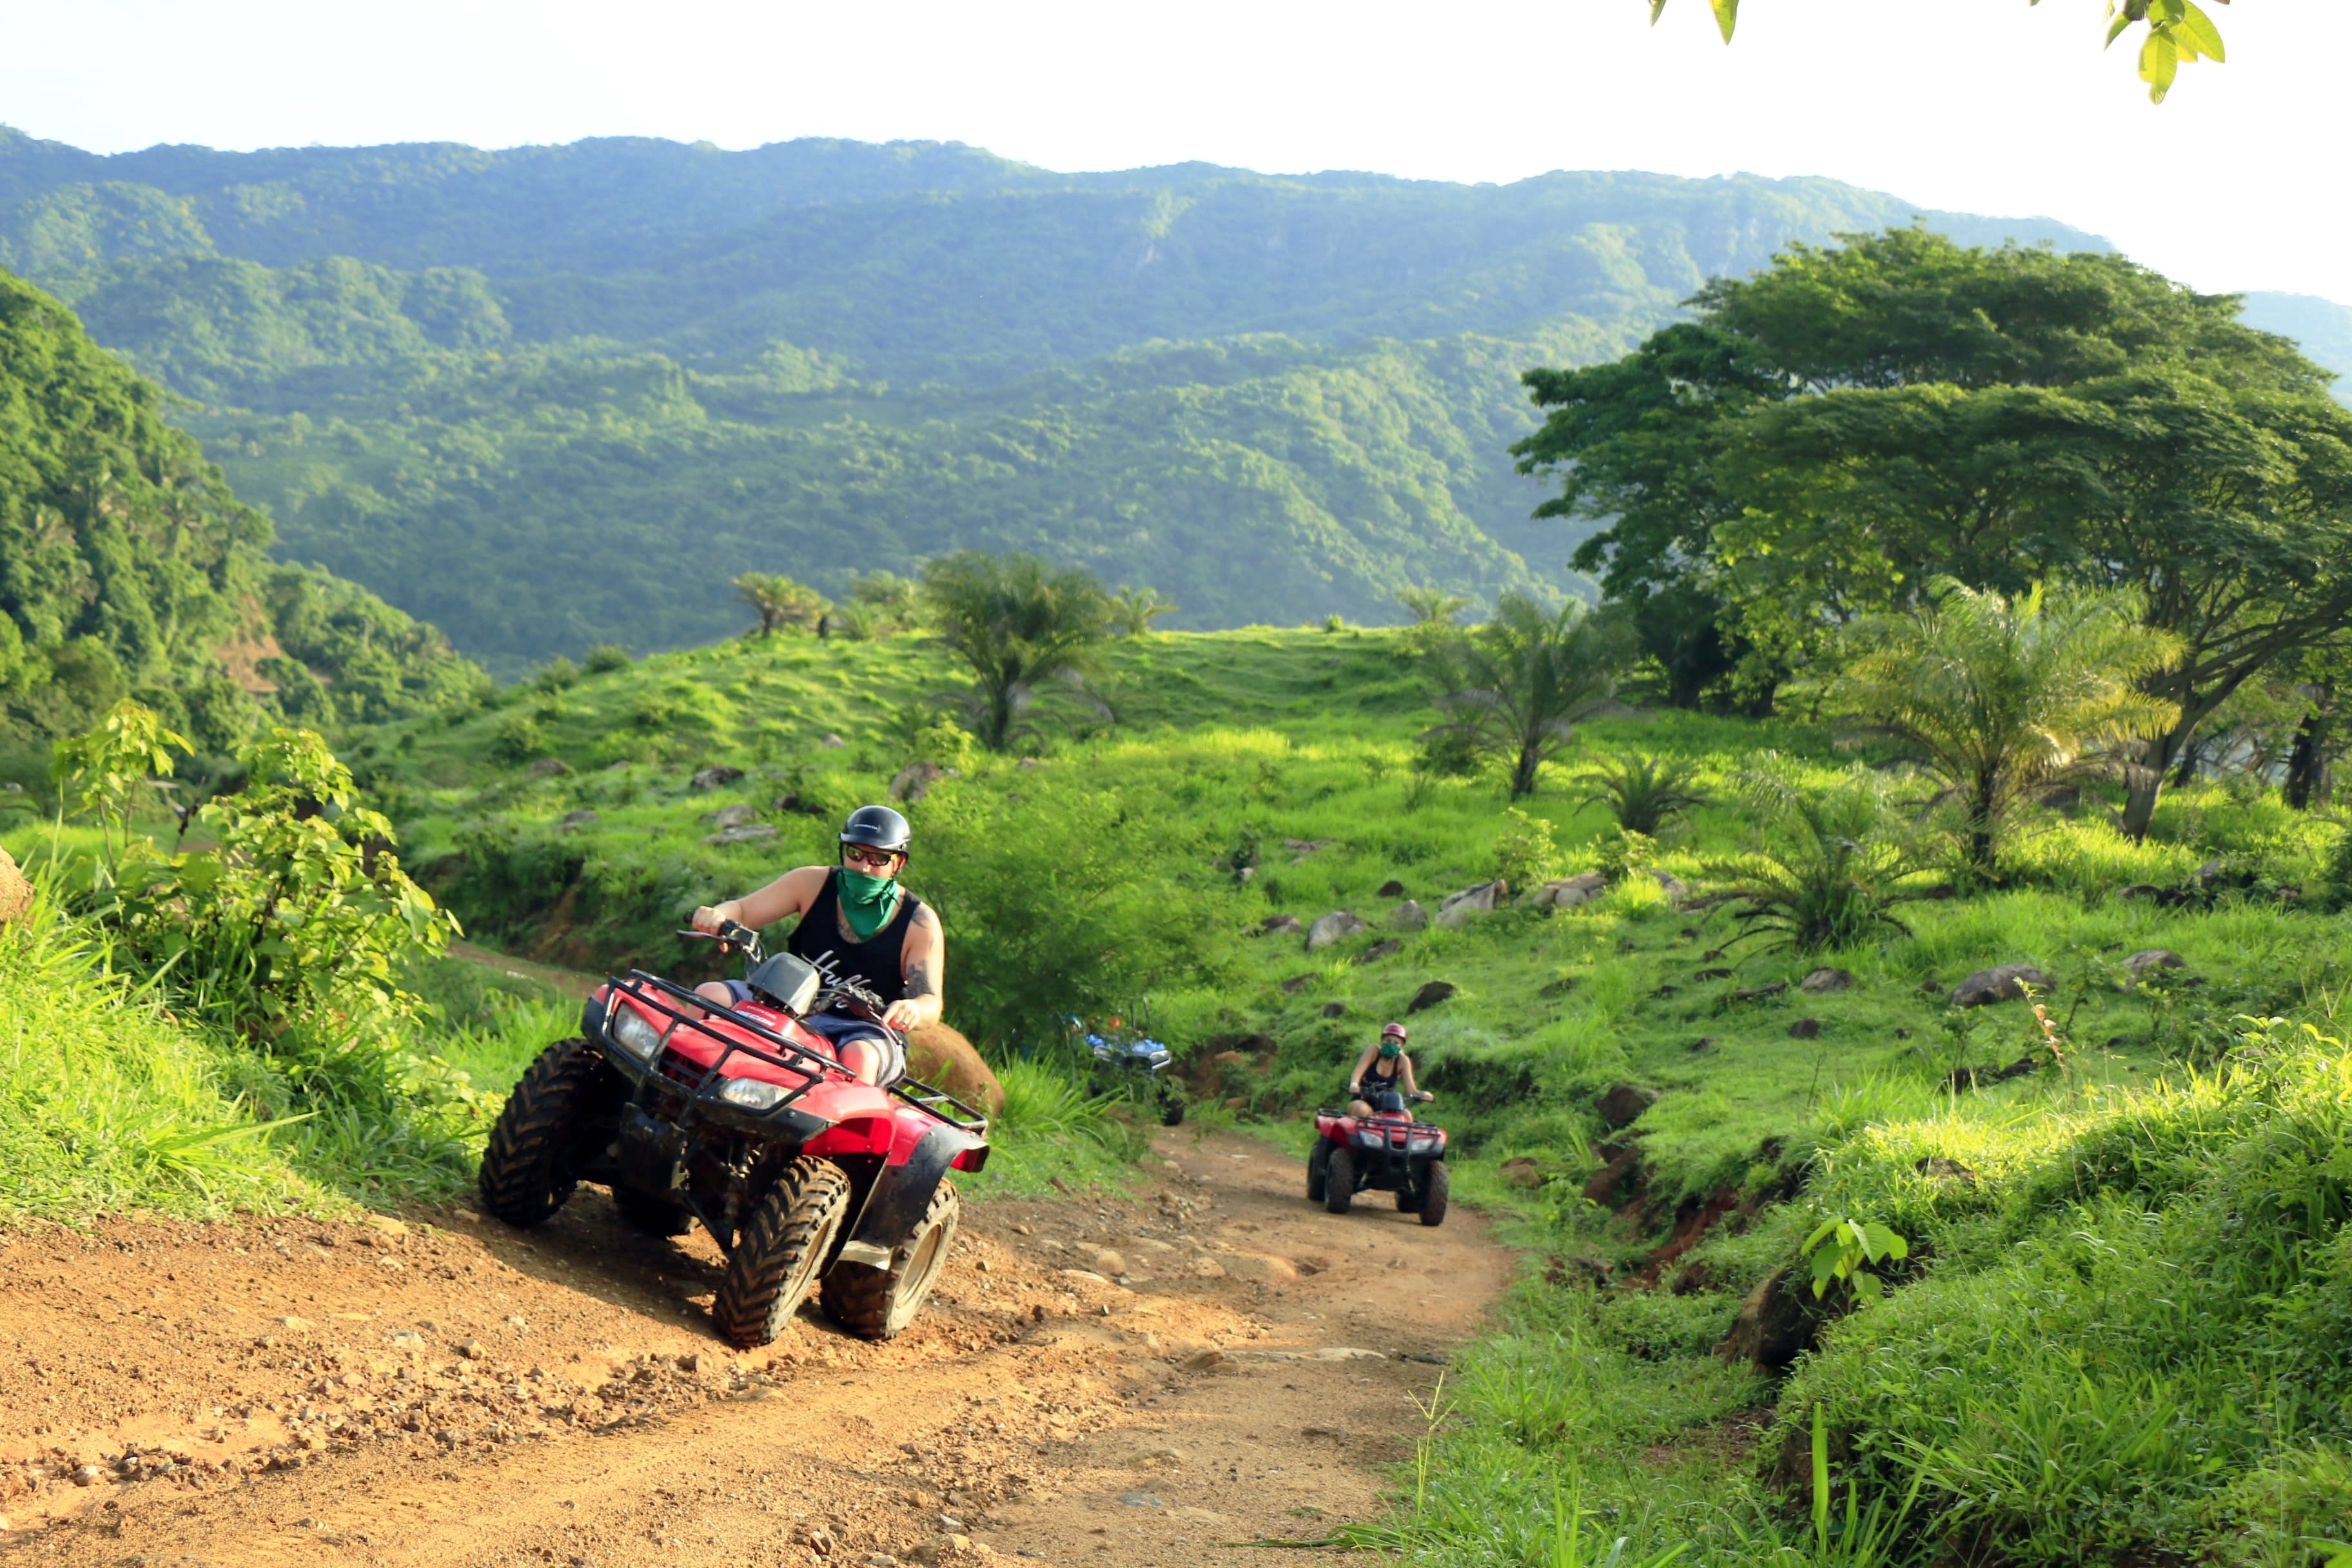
(1389, 1151)
(1134, 1068)
(741, 1119)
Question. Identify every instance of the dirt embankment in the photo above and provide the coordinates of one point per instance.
(451, 1393)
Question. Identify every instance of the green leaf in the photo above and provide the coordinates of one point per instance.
(2159, 62)
(1657, 9)
(1727, 16)
(1818, 1237)
(2198, 28)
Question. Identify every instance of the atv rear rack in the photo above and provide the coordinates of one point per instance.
(785, 1055)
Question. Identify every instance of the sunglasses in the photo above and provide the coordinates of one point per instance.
(878, 859)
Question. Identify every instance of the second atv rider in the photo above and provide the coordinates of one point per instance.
(857, 918)
(1382, 1069)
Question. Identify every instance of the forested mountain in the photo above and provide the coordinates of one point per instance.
(556, 397)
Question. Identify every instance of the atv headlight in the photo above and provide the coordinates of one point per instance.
(1161, 1058)
(631, 1032)
(751, 1094)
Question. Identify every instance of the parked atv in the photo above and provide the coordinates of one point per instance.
(743, 1120)
(1134, 1068)
(1389, 1151)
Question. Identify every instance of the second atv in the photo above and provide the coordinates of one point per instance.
(741, 1119)
(1390, 1151)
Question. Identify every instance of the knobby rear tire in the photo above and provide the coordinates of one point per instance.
(527, 1165)
(1342, 1176)
(879, 1303)
(1433, 1196)
(785, 1239)
(1319, 1171)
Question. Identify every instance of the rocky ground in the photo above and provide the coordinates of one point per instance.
(1144, 1379)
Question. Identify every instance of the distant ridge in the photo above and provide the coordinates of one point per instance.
(622, 371)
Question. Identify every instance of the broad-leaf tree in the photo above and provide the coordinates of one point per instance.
(2000, 695)
(1515, 686)
(1015, 623)
(779, 600)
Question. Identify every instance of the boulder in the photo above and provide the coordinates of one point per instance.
(2141, 963)
(1409, 916)
(742, 832)
(1623, 1103)
(1330, 927)
(1335, 1009)
(942, 1057)
(1389, 888)
(1778, 1323)
(16, 893)
(575, 820)
(2211, 872)
(1276, 925)
(1566, 892)
(1669, 884)
(1381, 950)
(1431, 995)
(548, 768)
(1521, 1173)
(1622, 1176)
(1805, 1029)
(2005, 983)
(1459, 908)
(832, 742)
(714, 776)
(1821, 982)
(914, 780)
(731, 816)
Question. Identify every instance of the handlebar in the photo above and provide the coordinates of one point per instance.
(729, 935)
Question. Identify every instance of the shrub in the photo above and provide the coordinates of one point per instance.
(1643, 793)
(605, 658)
(1831, 864)
(1524, 852)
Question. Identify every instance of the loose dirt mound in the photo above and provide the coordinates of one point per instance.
(451, 1393)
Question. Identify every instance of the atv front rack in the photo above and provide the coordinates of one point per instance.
(784, 1055)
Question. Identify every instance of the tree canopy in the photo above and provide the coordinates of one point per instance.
(1828, 437)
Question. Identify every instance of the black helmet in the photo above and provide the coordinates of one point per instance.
(878, 827)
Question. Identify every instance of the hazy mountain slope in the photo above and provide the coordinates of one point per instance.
(2323, 327)
(553, 396)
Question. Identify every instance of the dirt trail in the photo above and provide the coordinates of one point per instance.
(286, 1391)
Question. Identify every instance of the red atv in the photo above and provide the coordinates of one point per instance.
(1390, 1151)
(742, 1119)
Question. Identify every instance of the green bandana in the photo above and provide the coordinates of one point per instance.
(1390, 1048)
(867, 902)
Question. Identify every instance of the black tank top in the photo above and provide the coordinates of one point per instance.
(878, 962)
(1396, 1065)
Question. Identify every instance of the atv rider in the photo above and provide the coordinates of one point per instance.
(1380, 1070)
(870, 929)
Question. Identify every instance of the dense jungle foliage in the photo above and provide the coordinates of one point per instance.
(553, 397)
(126, 566)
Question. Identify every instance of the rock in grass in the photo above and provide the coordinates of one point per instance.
(575, 820)
(1276, 925)
(1521, 1173)
(713, 778)
(548, 768)
(731, 816)
(1778, 1323)
(2141, 963)
(743, 833)
(1408, 916)
(1381, 950)
(1431, 995)
(1389, 888)
(1821, 982)
(2006, 983)
(1566, 892)
(1669, 884)
(1335, 1009)
(1459, 908)
(1330, 927)
(16, 893)
(1623, 1103)
(914, 780)
(1805, 1029)
(2138, 890)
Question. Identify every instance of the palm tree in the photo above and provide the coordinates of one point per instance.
(1516, 686)
(1431, 606)
(1132, 610)
(1641, 792)
(1015, 623)
(779, 600)
(1831, 863)
(2000, 696)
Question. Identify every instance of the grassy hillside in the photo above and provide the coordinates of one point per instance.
(553, 397)
(2111, 1381)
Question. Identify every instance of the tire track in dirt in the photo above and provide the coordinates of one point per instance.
(451, 1393)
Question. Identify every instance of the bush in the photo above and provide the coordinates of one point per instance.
(1524, 852)
(605, 658)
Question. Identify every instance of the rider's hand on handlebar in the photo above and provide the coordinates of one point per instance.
(710, 918)
(903, 1014)
(1422, 1094)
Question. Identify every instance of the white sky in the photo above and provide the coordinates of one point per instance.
(1977, 105)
